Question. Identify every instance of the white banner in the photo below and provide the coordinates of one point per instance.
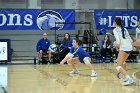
(3, 51)
(3, 76)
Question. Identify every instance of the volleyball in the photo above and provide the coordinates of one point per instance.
(53, 47)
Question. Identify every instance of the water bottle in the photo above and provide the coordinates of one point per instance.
(92, 48)
(137, 59)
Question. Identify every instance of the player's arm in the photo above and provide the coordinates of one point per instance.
(136, 44)
(67, 57)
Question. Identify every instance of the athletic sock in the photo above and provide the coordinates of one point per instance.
(92, 71)
(127, 76)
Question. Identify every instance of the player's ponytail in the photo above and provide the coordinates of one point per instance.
(119, 23)
(122, 31)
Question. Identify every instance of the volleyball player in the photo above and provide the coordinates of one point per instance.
(78, 55)
(123, 42)
(137, 42)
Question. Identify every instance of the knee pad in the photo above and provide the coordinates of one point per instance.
(118, 68)
(40, 51)
(86, 60)
(70, 55)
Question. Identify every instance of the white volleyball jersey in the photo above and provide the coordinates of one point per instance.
(137, 34)
(125, 44)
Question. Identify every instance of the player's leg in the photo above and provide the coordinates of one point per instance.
(103, 53)
(124, 64)
(49, 54)
(40, 55)
(110, 54)
(71, 62)
(120, 75)
(87, 61)
(122, 56)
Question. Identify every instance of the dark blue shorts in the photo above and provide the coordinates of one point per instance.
(128, 52)
(44, 50)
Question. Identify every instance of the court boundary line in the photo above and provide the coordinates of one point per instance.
(135, 76)
(113, 72)
(58, 80)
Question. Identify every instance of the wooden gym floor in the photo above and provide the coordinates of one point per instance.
(55, 79)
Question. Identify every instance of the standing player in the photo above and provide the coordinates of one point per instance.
(137, 42)
(123, 42)
(78, 55)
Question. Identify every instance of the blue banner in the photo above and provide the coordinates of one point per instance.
(104, 18)
(36, 19)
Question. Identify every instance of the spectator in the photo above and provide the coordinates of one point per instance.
(106, 45)
(65, 46)
(43, 47)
